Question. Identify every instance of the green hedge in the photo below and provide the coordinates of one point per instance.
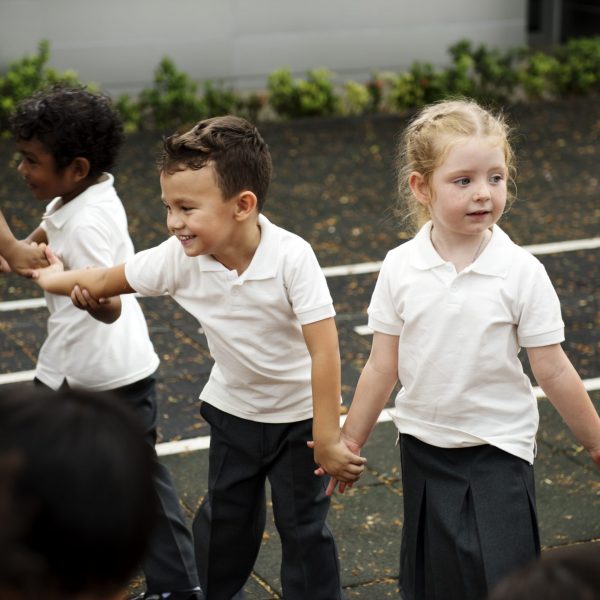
(489, 75)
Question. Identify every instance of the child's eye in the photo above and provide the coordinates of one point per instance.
(462, 181)
(496, 178)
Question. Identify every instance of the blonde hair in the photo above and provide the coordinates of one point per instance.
(428, 138)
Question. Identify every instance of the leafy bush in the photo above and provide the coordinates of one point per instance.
(380, 88)
(219, 100)
(538, 76)
(420, 85)
(357, 98)
(492, 75)
(129, 110)
(579, 71)
(24, 77)
(313, 96)
(488, 75)
(172, 102)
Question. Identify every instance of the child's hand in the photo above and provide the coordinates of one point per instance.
(106, 310)
(342, 461)
(4, 266)
(22, 258)
(55, 265)
(83, 300)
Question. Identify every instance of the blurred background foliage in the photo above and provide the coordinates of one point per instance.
(175, 101)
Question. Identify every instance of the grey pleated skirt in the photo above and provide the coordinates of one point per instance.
(469, 519)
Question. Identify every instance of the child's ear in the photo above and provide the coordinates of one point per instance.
(245, 203)
(80, 168)
(420, 188)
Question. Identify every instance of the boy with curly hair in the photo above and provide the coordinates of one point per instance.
(68, 139)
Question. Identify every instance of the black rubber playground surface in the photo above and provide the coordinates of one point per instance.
(334, 185)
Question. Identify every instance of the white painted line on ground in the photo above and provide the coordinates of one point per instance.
(363, 330)
(18, 377)
(568, 246)
(183, 446)
(22, 304)
(355, 269)
(203, 442)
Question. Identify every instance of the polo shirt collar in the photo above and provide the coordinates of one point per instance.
(58, 214)
(424, 255)
(264, 262)
(495, 259)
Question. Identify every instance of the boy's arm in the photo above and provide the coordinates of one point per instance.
(21, 257)
(330, 452)
(100, 282)
(374, 387)
(562, 385)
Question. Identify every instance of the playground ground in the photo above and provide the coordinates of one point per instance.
(334, 185)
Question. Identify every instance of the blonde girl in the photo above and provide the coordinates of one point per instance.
(450, 312)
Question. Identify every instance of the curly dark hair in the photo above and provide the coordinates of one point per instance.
(71, 122)
(232, 145)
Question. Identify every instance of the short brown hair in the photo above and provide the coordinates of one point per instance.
(232, 145)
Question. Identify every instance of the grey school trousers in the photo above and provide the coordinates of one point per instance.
(229, 524)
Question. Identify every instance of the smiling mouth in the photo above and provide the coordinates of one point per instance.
(478, 213)
(185, 238)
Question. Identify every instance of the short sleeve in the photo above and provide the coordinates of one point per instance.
(540, 321)
(307, 287)
(151, 272)
(383, 313)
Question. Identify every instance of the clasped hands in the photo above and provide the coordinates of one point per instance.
(340, 460)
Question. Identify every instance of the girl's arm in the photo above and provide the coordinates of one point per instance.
(101, 282)
(330, 452)
(375, 385)
(562, 385)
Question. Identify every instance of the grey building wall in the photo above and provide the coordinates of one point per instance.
(119, 43)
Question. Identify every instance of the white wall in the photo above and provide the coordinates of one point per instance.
(119, 43)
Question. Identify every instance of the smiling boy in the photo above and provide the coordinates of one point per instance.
(264, 305)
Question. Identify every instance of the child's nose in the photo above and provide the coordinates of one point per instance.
(173, 221)
(482, 192)
(21, 168)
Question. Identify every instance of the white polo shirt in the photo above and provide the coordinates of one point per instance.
(91, 230)
(252, 322)
(459, 339)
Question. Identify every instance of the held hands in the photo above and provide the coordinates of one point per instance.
(341, 460)
(23, 257)
(83, 300)
(54, 266)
